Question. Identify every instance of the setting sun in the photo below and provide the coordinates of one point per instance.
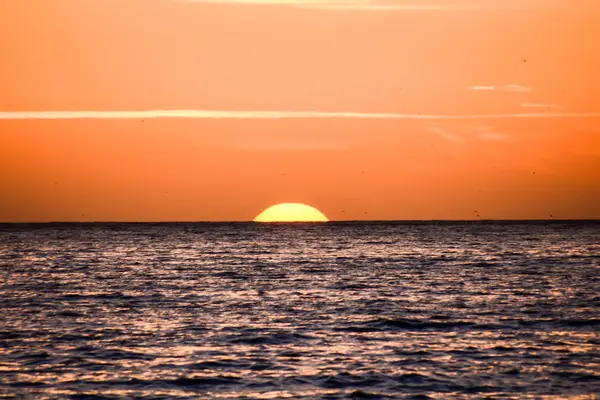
(291, 212)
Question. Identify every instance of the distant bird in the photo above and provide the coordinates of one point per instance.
(551, 216)
(534, 172)
(524, 60)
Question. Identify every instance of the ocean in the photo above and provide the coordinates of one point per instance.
(366, 310)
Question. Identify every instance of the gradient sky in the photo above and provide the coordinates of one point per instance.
(154, 110)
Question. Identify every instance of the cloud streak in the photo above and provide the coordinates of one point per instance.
(540, 105)
(438, 130)
(375, 5)
(357, 5)
(487, 133)
(505, 88)
(268, 115)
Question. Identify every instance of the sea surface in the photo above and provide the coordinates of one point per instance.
(442, 310)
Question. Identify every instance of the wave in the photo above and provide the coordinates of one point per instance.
(219, 380)
(385, 324)
(269, 338)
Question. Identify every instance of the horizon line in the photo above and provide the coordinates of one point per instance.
(309, 222)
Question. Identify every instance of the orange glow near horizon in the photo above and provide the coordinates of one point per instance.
(383, 110)
(291, 212)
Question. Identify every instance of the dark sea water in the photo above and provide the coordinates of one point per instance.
(304, 311)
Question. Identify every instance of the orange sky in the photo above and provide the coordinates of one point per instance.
(491, 106)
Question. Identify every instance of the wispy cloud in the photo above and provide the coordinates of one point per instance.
(504, 88)
(443, 133)
(487, 133)
(517, 88)
(359, 5)
(540, 105)
(269, 114)
(482, 88)
(372, 5)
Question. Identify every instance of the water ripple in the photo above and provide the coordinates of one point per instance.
(304, 311)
